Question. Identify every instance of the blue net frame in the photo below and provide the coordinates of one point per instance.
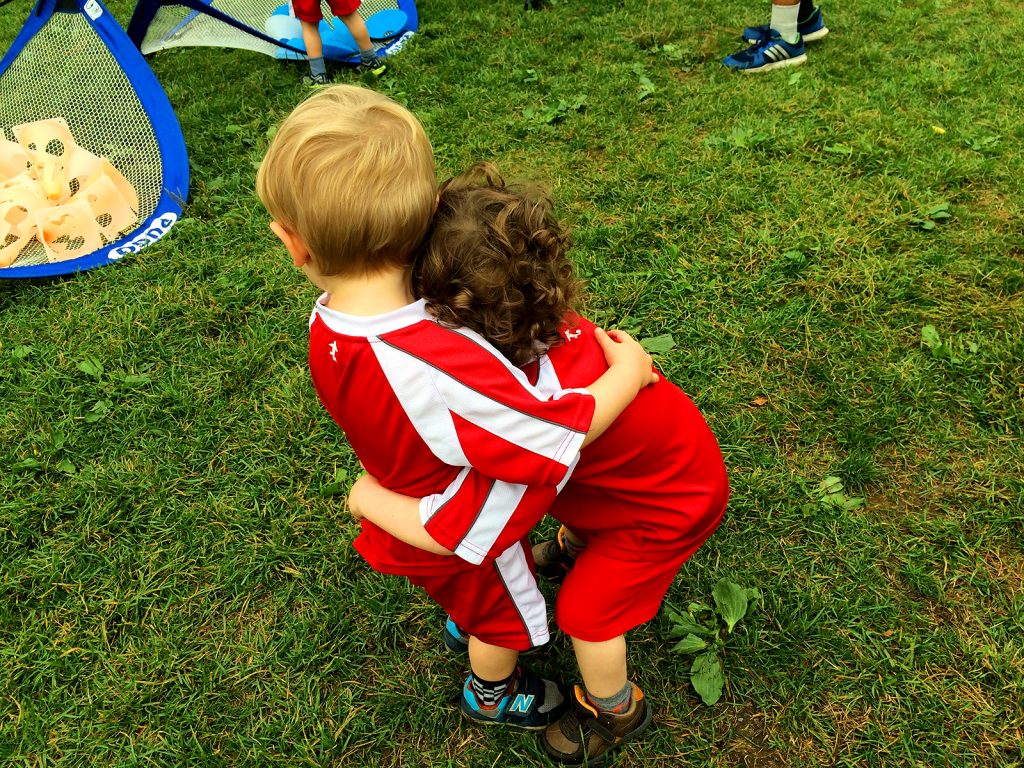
(146, 11)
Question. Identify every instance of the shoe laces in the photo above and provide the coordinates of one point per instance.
(763, 40)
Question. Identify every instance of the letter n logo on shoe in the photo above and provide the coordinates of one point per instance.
(521, 704)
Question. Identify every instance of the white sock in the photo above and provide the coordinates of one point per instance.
(784, 21)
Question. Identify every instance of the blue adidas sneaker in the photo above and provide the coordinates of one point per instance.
(812, 28)
(455, 640)
(531, 703)
(770, 52)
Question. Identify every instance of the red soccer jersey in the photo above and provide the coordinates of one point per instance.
(655, 475)
(418, 402)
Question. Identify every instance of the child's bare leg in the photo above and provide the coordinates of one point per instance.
(602, 665)
(315, 54)
(311, 39)
(357, 28)
(491, 662)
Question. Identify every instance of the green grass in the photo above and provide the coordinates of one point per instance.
(176, 590)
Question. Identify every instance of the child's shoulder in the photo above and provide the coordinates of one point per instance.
(576, 327)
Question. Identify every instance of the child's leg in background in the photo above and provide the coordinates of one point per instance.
(368, 57)
(357, 28)
(311, 39)
(314, 51)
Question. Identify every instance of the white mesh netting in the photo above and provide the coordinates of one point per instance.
(176, 25)
(91, 92)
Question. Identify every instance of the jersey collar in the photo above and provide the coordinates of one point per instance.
(370, 325)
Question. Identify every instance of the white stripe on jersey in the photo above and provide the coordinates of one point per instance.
(427, 394)
(491, 518)
(430, 504)
(410, 380)
(519, 580)
(548, 383)
(545, 438)
(547, 377)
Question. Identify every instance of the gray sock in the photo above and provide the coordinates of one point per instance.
(367, 56)
(617, 702)
(317, 67)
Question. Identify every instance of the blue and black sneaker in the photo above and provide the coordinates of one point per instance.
(455, 639)
(371, 64)
(315, 81)
(531, 703)
(770, 52)
(812, 28)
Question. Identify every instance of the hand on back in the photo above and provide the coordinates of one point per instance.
(621, 349)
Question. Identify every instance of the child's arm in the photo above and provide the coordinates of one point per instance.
(474, 409)
(481, 516)
(392, 512)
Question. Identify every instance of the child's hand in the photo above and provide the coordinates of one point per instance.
(621, 349)
(359, 495)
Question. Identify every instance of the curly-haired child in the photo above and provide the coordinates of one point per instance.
(643, 496)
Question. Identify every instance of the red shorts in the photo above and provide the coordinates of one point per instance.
(623, 574)
(309, 10)
(497, 601)
(603, 596)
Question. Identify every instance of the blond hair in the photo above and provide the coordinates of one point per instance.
(351, 172)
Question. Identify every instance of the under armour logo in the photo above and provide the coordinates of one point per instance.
(334, 351)
(570, 335)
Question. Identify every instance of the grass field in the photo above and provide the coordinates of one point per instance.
(837, 251)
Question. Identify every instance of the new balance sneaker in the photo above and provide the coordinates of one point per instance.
(455, 639)
(531, 703)
(770, 52)
(812, 28)
(551, 559)
(586, 736)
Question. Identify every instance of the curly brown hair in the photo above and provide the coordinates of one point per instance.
(495, 261)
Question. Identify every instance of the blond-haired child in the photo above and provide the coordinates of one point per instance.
(350, 184)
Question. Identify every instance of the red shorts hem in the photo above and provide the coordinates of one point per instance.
(309, 10)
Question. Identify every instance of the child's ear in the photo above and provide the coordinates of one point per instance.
(295, 245)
